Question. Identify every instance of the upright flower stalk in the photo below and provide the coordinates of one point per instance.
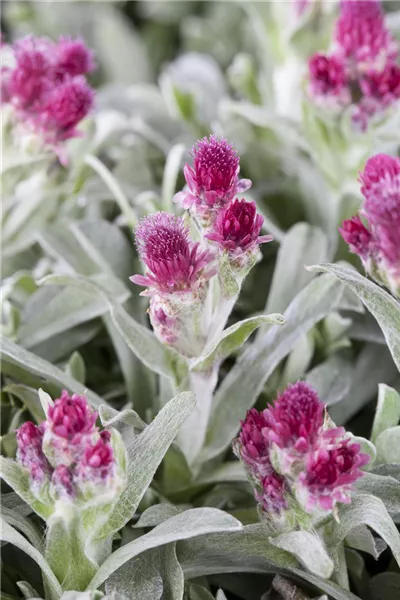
(362, 72)
(195, 266)
(374, 234)
(299, 465)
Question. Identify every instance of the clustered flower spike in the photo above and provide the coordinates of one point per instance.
(214, 180)
(178, 268)
(377, 240)
(362, 71)
(47, 88)
(66, 455)
(292, 457)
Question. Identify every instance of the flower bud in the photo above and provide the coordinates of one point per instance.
(70, 425)
(237, 230)
(31, 457)
(213, 181)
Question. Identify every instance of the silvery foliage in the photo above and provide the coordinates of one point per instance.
(186, 523)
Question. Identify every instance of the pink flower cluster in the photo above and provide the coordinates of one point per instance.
(363, 70)
(66, 451)
(290, 455)
(374, 234)
(47, 86)
(177, 268)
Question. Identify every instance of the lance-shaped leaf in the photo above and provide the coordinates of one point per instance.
(24, 526)
(382, 305)
(246, 551)
(233, 338)
(308, 549)
(301, 244)
(140, 340)
(18, 480)
(9, 534)
(191, 523)
(387, 413)
(366, 510)
(241, 387)
(331, 379)
(145, 454)
(15, 357)
(388, 446)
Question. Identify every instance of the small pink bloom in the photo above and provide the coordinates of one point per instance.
(71, 417)
(29, 79)
(362, 36)
(97, 463)
(383, 87)
(357, 236)
(296, 418)
(238, 227)
(330, 473)
(62, 482)
(213, 181)
(252, 446)
(381, 188)
(328, 79)
(73, 57)
(67, 105)
(174, 263)
(30, 454)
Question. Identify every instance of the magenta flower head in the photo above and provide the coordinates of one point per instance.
(378, 244)
(296, 418)
(213, 181)
(73, 57)
(29, 79)
(238, 227)
(271, 490)
(358, 237)
(328, 81)
(362, 37)
(98, 463)
(174, 263)
(70, 425)
(329, 475)
(252, 447)
(67, 105)
(30, 455)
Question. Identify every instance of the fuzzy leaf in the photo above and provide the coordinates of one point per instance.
(241, 387)
(65, 540)
(301, 244)
(24, 526)
(384, 307)
(145, 454)
(246, 551)
(140, 340)
(15, 355)
(387, 413)
(388, 446)
(308, 549)
(76, 367)
(331, 379)
(18, 480)
(191, 523)
(9, 534)
(366, 510)
(233, 338)
(362, 539)
(384, 487)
